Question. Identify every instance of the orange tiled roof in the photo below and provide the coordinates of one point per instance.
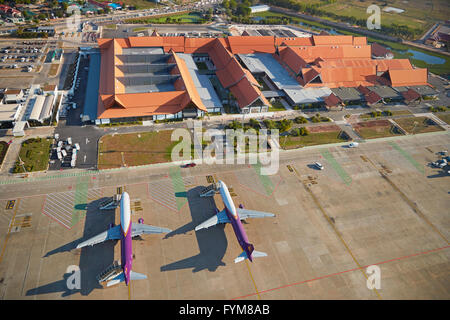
(292, 59)
(219, 54)
(246, 93)
(304, 41)
(231, 73)
(309, 53)
(141, 104)
(412, 77)
(327, 40)
(332, 100)
(146, 41)
(410, 95)
(251, 44)
(199, 45)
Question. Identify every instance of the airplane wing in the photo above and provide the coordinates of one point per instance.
(140, 228)
(110, 234)
(244, 214)
(220, 217)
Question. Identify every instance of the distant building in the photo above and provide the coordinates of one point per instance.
(259, 8)
(9, 112)
(12, 96)
(50, 89)
(46, 29)
(380, 52)
(7, 11)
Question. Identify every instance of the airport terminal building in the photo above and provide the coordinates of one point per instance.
(156, 78)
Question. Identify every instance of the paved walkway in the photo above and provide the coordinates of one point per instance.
(14, 147)
(436, 119)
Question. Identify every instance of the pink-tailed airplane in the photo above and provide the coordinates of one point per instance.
(125, 232)
(233, 215)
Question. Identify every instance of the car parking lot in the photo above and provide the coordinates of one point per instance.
(70, 124)
(19, 57)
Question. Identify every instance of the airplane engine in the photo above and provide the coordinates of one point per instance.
(141, 221)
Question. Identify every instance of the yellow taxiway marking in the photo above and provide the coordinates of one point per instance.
(9, 230)
(253, 280)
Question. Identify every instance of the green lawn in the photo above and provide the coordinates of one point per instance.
(276, 106)
(313, 138)
(3, 149)
(379, 131)
(140, 29)
(186, 17)
(383, 114)
(35, 154)
(140, 4)
(444, 117)
(416, 125)
(134, 149)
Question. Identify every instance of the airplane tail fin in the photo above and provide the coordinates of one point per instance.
(137, 276)
(250, 248)
(252, 252)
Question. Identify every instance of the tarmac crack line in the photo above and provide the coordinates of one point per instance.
(345, 271)
(316, 201)
(411, 204)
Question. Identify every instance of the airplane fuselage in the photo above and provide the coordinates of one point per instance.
(238, 228)
(126, 249)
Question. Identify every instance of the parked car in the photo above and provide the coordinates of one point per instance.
(318, 165)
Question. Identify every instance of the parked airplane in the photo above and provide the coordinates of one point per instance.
(233, 215)
(125, 232)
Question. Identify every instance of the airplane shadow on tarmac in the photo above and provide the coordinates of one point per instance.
(212, 242)
(93, 260)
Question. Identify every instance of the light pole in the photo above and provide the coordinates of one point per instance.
(22, 163)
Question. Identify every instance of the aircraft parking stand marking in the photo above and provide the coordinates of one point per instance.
(333, 226)
(59, 207)
(10, 204)
(342, 272)
(410, 203)
(162, 193)
(337, 167)
(408, 157)
(81, 197)
(264, 186)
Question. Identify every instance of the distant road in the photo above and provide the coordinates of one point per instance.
(344, 26)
